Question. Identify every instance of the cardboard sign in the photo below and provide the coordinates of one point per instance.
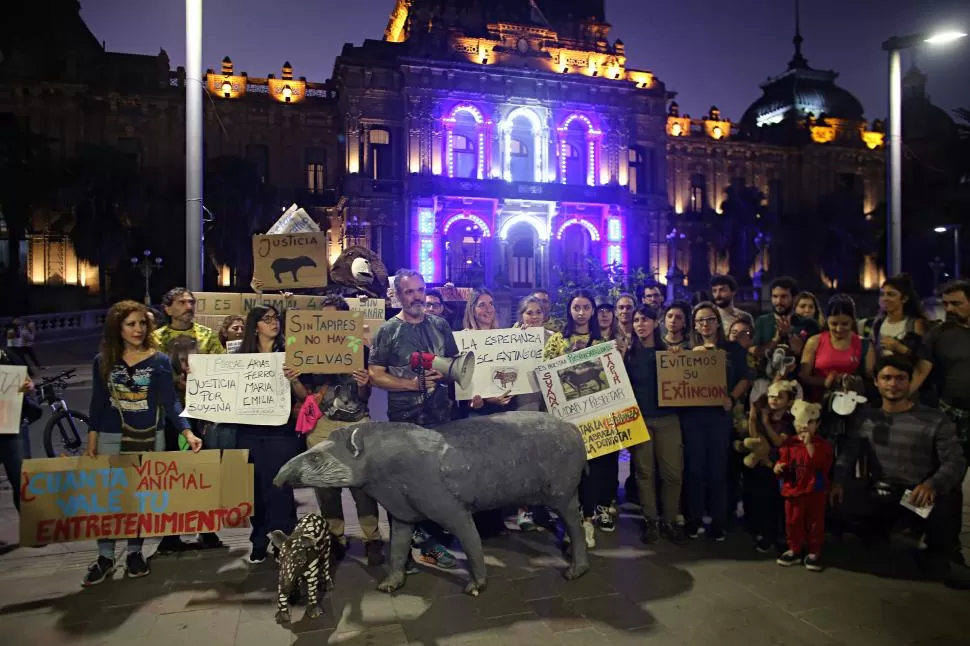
(692, 378)
(505, 361)
(11, 399)
(371, 326)
(291, 260)
(218, 303)
(372, 308)
(324, 342)
(238, 388)
(591, 389)
(134, 495)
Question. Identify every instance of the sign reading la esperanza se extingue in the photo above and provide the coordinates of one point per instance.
(134, 495)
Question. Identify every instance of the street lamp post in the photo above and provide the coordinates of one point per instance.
(147, 265)
(955, 228)
(194, 84)
(894, 181)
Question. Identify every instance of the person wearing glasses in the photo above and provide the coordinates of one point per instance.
(435, 304)
(132, 395)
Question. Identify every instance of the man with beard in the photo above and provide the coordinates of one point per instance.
(723, 288)
(179, 306)
(945, 356)
(782, 326)
(902, 447)
(653, 296)
(411, 398)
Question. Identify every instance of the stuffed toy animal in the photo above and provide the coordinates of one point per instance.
(302, 557)
(805, 413)
(756, 445)
(359, 271)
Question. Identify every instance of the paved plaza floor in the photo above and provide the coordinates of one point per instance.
(701, 593)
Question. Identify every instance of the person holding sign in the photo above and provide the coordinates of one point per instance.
(270, 447)
(15, 447)
(342, 400)
(598, 485)
(132, 395)
(708, 430)
(665, 452)
(231, 330)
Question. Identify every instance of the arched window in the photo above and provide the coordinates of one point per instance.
(580, 165)
(522, 154)
(465, 142)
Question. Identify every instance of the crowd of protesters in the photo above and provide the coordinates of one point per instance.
(792, 451)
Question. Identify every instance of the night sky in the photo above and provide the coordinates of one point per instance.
(708, 51)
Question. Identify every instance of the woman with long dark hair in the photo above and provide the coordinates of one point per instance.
(835, 353)
(132, 394)
(270, 447)
(677, 325)
(901, 324)
(598, 485)
(707, 429)
(664, 451)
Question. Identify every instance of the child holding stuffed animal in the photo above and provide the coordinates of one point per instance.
(803, 465)
(770, 424)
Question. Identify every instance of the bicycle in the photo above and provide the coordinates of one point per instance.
(64, 426)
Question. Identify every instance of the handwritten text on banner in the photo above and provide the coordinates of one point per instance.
(238, 388)
(11, 399)
(504, 361)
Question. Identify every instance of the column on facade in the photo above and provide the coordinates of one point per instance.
(437, 144)
(365, 150)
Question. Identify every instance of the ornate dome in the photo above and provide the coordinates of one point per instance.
(801, 91)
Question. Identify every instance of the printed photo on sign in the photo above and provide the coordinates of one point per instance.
(591, 389)
(505, 361)
(692, 378)
(11, 399)
(134, 495)
(238, 388)
(324, 342)
(291, 260)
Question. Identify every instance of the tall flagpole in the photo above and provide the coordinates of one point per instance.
(193, 145)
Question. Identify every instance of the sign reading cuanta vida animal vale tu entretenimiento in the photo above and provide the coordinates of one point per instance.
(324, 341)
(291, 260)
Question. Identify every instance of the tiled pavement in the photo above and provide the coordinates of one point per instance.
(702, 593)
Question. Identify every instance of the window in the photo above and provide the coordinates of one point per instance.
(316, 170)
(465, 158)
(637, 181)
(518, 149)
(463, 144)
(258, 156)
(379, 140)
(698, 193)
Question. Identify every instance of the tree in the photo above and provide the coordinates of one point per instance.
(605, 282)
(736, 226)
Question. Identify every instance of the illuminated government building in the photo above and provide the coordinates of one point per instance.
(482, 142)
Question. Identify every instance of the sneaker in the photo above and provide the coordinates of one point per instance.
(788, 559)
(716, 532)
(651, 532)
(135, 566)
(208, 541)
(693, 529)
(375, 552)
(525, 522)
(763, 544)
(258, 555)
(98, 572)
(673, 532)
(590, 534)
(170, 545)
(604, 519)
(813, 562)
(438, 556)
(338, 547)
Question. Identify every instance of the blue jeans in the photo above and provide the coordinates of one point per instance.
(707, 443)
(220, 436)
(110, 444)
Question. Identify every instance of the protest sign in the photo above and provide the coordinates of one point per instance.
(218, 303)
(291, 260)
(324, 342)
(293, 220)
(591, 389)
(692, 378)
(134, 495)
(11, 399)
(505, 361)
(237, 388)
(372, 308)
(233, 346)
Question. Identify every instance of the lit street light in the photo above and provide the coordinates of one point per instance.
(955, 228)
(147, 265)
(894, 189)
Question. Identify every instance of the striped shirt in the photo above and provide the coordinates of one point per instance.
(908, 448)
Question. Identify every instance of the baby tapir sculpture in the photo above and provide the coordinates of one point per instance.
(446, 474)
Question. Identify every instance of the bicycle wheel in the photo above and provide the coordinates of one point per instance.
(66, 434)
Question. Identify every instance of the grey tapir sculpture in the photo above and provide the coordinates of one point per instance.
(446, 474)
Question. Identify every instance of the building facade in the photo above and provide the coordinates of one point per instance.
(498, 144)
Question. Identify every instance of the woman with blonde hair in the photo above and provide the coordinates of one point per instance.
(480, 311)
(231, 329)
(132, 394)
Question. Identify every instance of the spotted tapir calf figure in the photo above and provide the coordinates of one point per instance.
(302, 557)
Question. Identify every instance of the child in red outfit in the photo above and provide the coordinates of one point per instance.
(803, 465)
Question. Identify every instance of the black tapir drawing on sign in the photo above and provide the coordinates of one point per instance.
(282, 266)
